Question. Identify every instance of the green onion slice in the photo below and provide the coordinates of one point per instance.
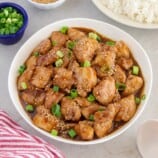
(59, 63)
(29, 108)
(94, 36)
(21, 69)
(91, 98)
(23, 85)
(120, 86)
(91, 117)
(143, 97)
(135, 70)
(86, 64)
(54, 43)
(72, 133)
(64, 29)
(56, 110)
(60, 54)
(54, 132)
(110, 43)
(71, 45)
(55, 88)
(137, 100)
(36, 54)
(73, 93)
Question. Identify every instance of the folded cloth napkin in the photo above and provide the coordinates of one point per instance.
(15, 142)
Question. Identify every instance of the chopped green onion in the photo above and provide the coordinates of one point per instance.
(73, 93)
(137, 100)
(71, 45)
(94, 36)
(10, 20)
(54, 132)
(55, 88)
(91, 117)
(54, 43)
(23, 85)
(56, 110)
(143, 97)
(59, 63)
(64, 29)
(110, 43)
(29, 108)
(120, 86)
(86, 64)
(101, 109)
(135, 70)
(36, 54)
(91, 98)
(21, 69)
(69, 54)
(59, 53)
(72, 133)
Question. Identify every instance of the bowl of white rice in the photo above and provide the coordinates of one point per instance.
(135, 13)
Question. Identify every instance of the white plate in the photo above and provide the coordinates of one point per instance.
(122, 19)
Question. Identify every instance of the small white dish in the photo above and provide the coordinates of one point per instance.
(47, 6)
(147, 139)
(122, 19)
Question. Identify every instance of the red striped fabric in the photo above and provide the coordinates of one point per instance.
(15, 142)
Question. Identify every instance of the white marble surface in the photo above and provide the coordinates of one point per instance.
(124, 145)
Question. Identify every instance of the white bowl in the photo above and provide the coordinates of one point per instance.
(121, 18)
(104, 29)
(47, 6)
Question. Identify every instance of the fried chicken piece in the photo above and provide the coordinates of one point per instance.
(133, 84)
(85, 49)
(85, 130)
(63, 78)
(127, 109)
(86, 79)
(43, 47)
(41, 76)
(105, 90)
(70, 110)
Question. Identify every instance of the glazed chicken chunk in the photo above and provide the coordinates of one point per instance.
(70, 110)
(119, 75)
(59, 38)
(33, 97)
(85, 49)
(43, 119)
(43, 47)
(86, 79)
(63, 78)
(85, 130)
(104, 63)
(52, 98)
(104, 119)
(75, 34)
(105, 90)
(127, 109)
(41, 76)
(133, 84)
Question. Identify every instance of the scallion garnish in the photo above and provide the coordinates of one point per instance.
(120, 86)
(56, 110)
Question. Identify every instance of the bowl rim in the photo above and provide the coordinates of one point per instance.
(24, 14)
(113, 134)
(47, 4)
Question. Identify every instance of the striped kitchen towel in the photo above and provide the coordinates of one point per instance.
(15, 142)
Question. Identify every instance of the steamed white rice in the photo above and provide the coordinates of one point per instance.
(144, 11)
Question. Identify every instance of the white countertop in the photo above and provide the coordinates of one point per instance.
(124, 145)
